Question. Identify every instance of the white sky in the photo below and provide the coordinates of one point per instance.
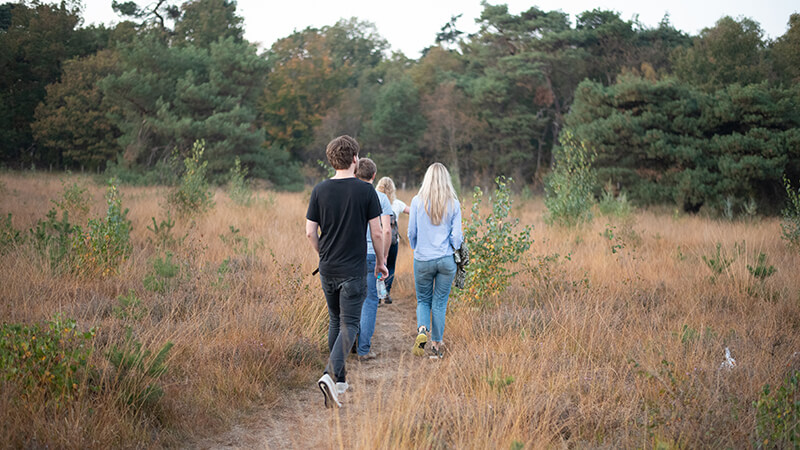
(413, 26)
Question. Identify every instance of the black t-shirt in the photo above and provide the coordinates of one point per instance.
(343, 209)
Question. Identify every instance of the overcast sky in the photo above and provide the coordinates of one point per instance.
(411, 27)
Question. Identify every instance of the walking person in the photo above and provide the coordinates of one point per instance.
(366, 171)
(434, 231)
(386, 185)
(340, 209)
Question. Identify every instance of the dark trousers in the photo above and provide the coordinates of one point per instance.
(345, 297)
(390, 263)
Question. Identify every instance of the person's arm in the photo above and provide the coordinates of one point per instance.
(412, 227)
(456, 235)
(311, 234)
(407, 210)
(377, 245)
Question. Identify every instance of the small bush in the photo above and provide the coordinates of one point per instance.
(193, 196)
(778, 415)
(790, 226)
(162, 233)
(616, 206)
(139, 370)
(569, 188)
(106, 242)
(9, 235)
(51, 360)
(163, 173)
(761, 271)
(493, 245)
(54, 239)
(75, 199)
(238, 187)
(164, 270)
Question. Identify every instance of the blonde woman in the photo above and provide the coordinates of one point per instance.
(434, 230)
(386, 185)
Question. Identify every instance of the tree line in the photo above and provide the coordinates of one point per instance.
(672, 117)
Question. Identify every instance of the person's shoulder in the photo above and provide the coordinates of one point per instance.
(383, 197)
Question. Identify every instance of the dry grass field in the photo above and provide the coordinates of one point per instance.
(611, 335)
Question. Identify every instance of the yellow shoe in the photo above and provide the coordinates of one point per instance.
(419, 344)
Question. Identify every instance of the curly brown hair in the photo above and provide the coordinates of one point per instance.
(340, 152)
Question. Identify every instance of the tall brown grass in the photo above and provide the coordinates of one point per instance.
(595, 347)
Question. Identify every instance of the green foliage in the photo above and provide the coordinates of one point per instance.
(54, 239)
(129, 307)
(667, 141)
(163, 272)
(238, 187)
(139, 371)
(778, 414)
(52, 359)
(761, 271)
(616, 206)
(790, 225)
(105, 243)
(732, 51)
(499, 381)
(721, 260)
(238, 243)
(71, 123)
(75, 198)
(162, 233)
(165, 172)
(9, 235)
(493, 245)
(569, 188)
(193, 196)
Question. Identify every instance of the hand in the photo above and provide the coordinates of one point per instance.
(380, 269)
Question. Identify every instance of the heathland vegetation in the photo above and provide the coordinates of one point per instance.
(163, 294)
(611, 333)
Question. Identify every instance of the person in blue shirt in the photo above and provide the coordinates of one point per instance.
(434, 231)
(366, 171)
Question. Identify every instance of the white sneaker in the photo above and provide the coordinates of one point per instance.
(341, 388)
(329, 391)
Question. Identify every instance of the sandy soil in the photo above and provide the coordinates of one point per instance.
(300, 420)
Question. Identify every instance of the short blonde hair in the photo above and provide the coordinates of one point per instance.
(386, 185)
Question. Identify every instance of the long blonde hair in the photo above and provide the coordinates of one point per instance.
(386, 185)
(437, 192)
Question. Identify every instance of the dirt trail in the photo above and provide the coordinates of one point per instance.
(301, 421)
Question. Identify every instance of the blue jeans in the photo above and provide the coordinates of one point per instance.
(369, 309)
(344, 297)
(432, 280)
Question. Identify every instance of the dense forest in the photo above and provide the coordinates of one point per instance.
(671, 118)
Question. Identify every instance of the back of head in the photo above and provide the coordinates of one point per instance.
(340, 152)
(366, 169)
(436, 192)
(386, 185)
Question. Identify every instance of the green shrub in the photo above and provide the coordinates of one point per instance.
(790, 226)
(52, 359)
(138, 371)
(162, 233)
(721, 260)
(74, 198)
(163, 173)
(9, 235)
(616, 206)
(238, 187)
(761, 271)
(778, 415)
(163, 272)
(493, 245)
(569, 188)
(193, 196)
(106, 242)
(54, 239)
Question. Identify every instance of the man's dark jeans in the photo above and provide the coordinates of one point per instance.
(345, 296)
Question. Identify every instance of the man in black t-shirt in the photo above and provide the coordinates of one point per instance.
(340, 208)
